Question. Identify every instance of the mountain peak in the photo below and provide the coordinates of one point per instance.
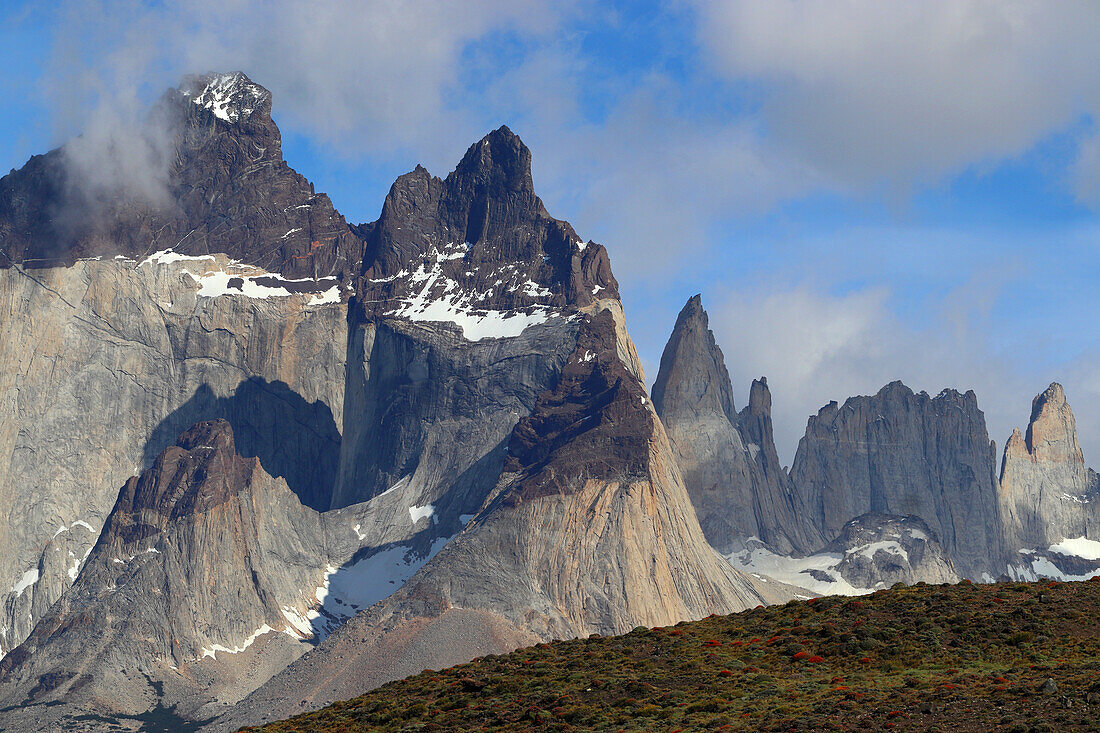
(1052, 431)
(230, 96)
(760, 397)
(499, 160)
(693, 373)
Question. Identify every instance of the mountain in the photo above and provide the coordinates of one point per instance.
(588, 530)
(465, 314)
(879, 550)
(956, 657)
(871, 552)
(203, 554)
(227, 190)
(729, 462)
(104, 360)
(902, 453)
(415, 424)
(1050, 499)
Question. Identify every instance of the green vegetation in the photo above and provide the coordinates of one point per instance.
(930, 658)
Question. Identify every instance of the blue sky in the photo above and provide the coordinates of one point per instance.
(862, 190)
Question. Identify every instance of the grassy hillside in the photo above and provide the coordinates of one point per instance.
(949, 658)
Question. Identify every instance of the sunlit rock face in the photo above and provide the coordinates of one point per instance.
(203, 554)
(1050, 499)
(588, 529)
(107, 362)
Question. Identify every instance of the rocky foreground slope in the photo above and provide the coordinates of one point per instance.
(1012, 656)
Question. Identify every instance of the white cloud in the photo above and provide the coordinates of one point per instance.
(649, 182)
(909, 92)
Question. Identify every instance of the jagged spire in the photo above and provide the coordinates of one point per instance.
(1052, 431)
(499, 161)
(693, 375)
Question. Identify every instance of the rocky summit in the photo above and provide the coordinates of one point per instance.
(255, 459)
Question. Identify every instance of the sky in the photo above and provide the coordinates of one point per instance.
(861, 190)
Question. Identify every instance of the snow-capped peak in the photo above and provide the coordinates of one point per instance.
(231, 97)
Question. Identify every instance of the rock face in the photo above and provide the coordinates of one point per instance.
(1047, 492)
(105, 359)
(906, 454)
(588, 530)
(1049, 499)
(103, 364)
(203, 553)
(465, 314)
(878, 550)
(729, 462)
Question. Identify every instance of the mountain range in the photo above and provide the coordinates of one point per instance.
(255, 459)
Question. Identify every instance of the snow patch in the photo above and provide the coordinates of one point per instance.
(75, 569)
(416, 513)
(29, 578)
(441, 300)
(213, 649)
(761, 561)
(362, 584)
(298, 622)
(332, 295)
(889, 546)
(228, 96)
(214, 283)
(77, 523)
(168, 257)
(401, 483)
(1081, 547)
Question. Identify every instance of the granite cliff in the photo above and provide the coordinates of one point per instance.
(904, 453)
(1050, 499)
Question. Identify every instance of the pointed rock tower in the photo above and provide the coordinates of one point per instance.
(1047, 492)
(729, 462)
(204, 553)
